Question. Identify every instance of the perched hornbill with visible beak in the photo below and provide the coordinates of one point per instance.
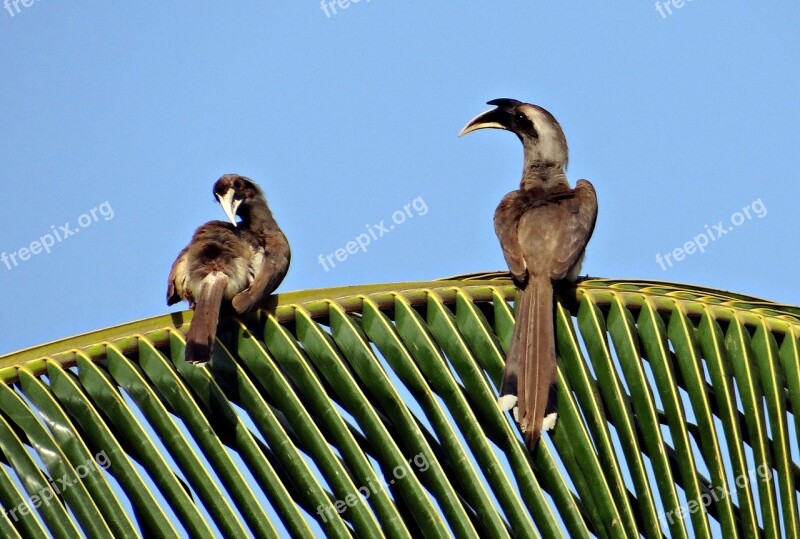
(240, 262)
(543, 228)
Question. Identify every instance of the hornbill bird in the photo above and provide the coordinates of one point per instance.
(543, 228)
(242, 263)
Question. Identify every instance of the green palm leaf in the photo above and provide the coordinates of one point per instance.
(370, 411)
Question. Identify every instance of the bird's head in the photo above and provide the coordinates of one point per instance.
(236, 194)
(541, 135)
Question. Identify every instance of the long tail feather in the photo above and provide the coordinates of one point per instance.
(203, 329)
(530, 370)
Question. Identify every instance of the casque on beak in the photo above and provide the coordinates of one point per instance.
(229, 205)
(497, 118)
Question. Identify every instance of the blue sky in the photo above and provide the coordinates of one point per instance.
(680, 121)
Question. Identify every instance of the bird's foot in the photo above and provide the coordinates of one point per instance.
(198, 363)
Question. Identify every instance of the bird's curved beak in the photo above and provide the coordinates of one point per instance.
(229, 205)
(496, 118)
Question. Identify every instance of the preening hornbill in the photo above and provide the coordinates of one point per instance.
(238, 262)
(543, 228)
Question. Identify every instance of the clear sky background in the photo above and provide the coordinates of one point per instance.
(680, 121)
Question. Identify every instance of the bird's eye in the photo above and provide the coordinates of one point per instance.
(238, 184)
(524, 123)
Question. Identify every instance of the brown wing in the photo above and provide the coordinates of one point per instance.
(274, 253)
(578, 216)
(506, 221)
(177, 275)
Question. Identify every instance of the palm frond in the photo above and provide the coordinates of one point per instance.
(370, 411)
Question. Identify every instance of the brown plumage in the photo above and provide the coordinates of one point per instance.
(543, 228)
(238, 262)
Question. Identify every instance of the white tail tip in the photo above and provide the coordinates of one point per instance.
(549, 421)
(507, 402)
